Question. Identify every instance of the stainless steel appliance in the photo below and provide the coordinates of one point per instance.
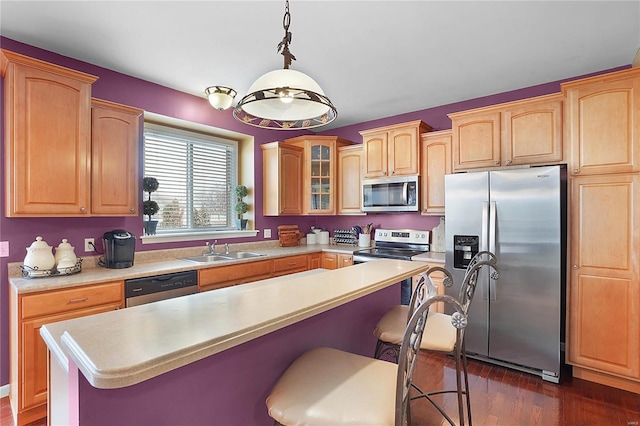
(390, 194)
(401, 244)
(119, 249)
(138, 291)
(520, 215)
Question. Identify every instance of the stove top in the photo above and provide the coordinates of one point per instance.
(396, 244)
(389, 252)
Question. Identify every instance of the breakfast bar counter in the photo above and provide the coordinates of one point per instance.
(216, 353)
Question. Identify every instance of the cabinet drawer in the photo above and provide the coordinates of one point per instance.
(290, 263)
(241, 273)
(53, 302)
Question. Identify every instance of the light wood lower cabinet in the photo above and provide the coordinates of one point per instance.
(437, 278)
(333, 260)
(603, 339)
(28, 352)
(229, 275)
(290, 265)
(226, 276)
(315, 260)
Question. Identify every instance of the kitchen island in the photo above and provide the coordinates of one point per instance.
(211, 358)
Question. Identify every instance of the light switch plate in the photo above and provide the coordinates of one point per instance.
(4, 248)
(267, 233)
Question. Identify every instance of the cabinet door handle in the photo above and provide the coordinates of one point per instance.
(82, 209)
(132, 209)
(509, 162)
(576, 171)
(292, 263)
(79, 300)
(497, 163)
(575, 266)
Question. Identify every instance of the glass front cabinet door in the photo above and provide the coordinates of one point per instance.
(320, 172)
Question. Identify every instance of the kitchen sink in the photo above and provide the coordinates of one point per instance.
(226, 256)
(207, 258)
(242, 255)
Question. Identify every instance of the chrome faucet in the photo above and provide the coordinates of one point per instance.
(212, 247)
(226, 248)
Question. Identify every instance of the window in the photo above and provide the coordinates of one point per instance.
(196, 173)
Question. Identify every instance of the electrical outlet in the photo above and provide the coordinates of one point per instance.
(4, 248)
(89, 244)
(267, 233)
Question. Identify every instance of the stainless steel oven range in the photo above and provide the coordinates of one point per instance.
(400, 244)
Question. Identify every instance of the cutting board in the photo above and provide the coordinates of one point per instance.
(438, 238)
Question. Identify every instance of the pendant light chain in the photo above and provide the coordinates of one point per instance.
(283, 46)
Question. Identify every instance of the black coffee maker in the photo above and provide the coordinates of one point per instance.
(119, 248)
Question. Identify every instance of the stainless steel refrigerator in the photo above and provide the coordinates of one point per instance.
(520, 215)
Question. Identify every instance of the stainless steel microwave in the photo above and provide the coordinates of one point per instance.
(390, 194)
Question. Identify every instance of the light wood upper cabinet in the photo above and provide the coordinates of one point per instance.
(393, 150)
(281, 179)
(532, 131)
(47, 138)
(476, 139)
(114, 159)
(604, 291)
(602, 123)
(320, 171)
(515, 133)
(436, 163)
(350, 164)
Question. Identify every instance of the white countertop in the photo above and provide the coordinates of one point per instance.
(430, 256)
(157, 263)
(121, 348)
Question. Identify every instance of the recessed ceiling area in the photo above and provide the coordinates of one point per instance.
(373, 59)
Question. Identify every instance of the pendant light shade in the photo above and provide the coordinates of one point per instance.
(285, 99)
(220, 97)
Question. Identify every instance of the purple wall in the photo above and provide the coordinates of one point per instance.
(230, 388)
(116, 87)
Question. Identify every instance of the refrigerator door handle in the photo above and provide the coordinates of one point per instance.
(484, 236)
(492, 245)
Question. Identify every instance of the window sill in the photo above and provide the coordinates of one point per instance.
(172, 238)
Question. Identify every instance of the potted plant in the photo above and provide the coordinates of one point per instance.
(241, 206)
(149, 207)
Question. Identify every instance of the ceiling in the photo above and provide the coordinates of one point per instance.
(373, 59)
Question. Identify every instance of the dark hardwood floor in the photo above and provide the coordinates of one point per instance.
(504, 397)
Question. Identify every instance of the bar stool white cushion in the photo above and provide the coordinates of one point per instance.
(327, 386)
(439, 333)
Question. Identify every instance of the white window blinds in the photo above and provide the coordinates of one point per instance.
(196, 174)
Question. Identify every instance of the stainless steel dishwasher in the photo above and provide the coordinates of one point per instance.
(138, 291)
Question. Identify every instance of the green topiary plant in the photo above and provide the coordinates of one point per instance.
(241, 206)
(150, 207)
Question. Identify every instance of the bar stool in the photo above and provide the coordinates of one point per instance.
(443, 333)
(326, 386)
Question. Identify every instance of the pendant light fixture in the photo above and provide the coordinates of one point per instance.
(285, 99)
(220, 97)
